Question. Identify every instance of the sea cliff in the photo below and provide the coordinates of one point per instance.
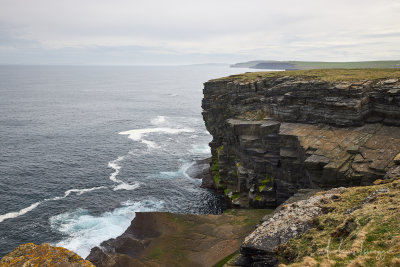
(274, 133)
(322, 147)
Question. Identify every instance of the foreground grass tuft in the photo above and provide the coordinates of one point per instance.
(369, 236)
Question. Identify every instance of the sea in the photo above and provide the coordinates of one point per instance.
(82, 148)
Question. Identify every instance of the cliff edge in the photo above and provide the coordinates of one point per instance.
(276, 132)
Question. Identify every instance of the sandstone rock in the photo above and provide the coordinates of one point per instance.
(43, 255)
(297, 133)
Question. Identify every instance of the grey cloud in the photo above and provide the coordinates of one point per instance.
(178, 31)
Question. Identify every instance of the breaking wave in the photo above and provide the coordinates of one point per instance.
(86, 231)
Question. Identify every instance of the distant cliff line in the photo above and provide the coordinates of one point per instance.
(303, 65)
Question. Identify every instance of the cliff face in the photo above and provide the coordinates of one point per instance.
(274, 135)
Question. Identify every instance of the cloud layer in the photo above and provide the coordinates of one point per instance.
(185, 31)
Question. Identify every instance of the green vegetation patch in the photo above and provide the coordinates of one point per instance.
(226, 259)
(235, 196)
(268, 180)
(215, 169)
(156, 254)
(329, 75)
(227, 191)
(369, 236)
(188, 239)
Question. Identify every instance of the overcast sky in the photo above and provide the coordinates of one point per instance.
(147, 32)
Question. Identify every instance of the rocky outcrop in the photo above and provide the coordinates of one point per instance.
(360, 228)
(342, 226)
(43, 255)
(290, 221)
(166, 239)
(275, 135)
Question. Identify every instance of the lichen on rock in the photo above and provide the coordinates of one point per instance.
(30, 255)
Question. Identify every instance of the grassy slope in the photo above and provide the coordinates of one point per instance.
(369, 236)
(199, 240)
(326, 65)
(330, 75)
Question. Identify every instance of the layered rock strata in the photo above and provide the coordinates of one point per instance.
(274, 135)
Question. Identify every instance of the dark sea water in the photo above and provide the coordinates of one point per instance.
(83, 148)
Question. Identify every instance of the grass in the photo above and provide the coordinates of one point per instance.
(268, 180)
(215, 173)
(226, 259)
(235, 196)
(369, 236)
(329, 75)
(186, 238)
(217, 180)
(156, 254)
(215, 169)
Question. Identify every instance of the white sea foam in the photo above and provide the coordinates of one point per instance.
(23, 211)
(181, 172)
(77, 191)
(114, 165)
(158, 120)
(202, 149)
(138, 134)
(86, 231)
(125, 186)
(113, 177)
(150, 144)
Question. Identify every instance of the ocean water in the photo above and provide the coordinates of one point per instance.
(83, 148)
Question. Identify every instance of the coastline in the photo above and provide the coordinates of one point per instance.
(281, 141)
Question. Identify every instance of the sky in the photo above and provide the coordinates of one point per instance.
(173, 32)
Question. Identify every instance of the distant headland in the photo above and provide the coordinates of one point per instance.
(304, 65)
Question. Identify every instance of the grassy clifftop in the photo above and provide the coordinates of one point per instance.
(361, 229)
(330, 75)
